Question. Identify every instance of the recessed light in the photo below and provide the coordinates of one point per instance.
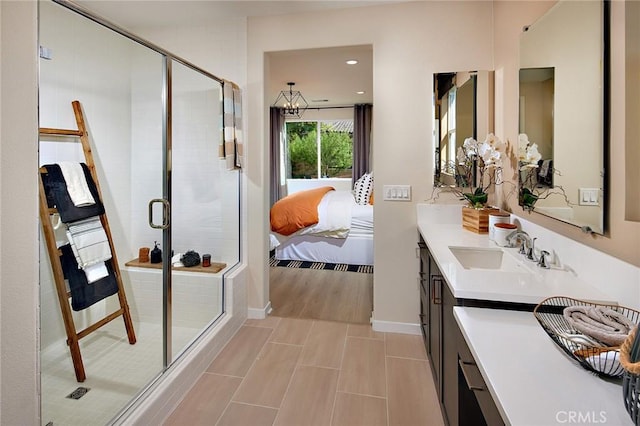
(352, 62)
(360, 92)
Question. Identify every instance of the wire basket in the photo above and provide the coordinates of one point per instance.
(629, 357)
(591, 353)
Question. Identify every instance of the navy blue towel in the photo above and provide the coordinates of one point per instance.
(84, 294)
(55, 188)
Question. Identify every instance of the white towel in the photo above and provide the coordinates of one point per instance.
(89, 242)
(96, 272)
(76, 184)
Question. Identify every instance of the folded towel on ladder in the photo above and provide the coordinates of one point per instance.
(76, 184)
(89, 242)
(601, 323)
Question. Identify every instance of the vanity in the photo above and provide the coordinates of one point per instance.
(491, 360)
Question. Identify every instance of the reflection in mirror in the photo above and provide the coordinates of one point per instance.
(562, 108)
(463, 108)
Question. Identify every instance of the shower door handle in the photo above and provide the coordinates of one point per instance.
(165, 213)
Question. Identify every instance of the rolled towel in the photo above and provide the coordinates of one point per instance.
(601, 323)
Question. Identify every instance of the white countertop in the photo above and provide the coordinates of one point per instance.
(531, 286)
(530, 379)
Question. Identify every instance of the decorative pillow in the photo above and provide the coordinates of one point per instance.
(363, 188)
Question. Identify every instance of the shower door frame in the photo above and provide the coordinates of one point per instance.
(168, 59)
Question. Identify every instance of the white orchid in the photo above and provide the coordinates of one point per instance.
(528, 153)
(473, 158)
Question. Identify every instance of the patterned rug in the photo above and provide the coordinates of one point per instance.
(367, 269)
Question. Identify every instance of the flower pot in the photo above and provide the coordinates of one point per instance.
(477, 220)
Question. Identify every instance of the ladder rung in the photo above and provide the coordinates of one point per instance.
(59, 132)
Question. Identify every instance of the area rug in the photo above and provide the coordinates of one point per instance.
(367, 269)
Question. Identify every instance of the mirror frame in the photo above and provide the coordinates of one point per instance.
(605, 117)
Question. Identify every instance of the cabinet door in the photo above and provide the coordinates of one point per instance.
(449, 358)
(435, 325)
(423, 284)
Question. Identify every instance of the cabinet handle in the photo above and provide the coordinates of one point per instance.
(463, 367)
(436, 300)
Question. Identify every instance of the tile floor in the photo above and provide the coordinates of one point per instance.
(116, 371)
(287, 371)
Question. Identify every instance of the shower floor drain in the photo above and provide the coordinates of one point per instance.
(78, 393)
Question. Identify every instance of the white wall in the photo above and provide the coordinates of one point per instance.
(408, 48)
(19, 403)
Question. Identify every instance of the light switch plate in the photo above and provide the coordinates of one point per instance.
(396, 192)
(589, 196)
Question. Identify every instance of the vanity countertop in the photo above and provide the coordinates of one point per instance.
(531, 381)
(530, 287)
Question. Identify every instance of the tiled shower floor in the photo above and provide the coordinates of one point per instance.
(116, 371)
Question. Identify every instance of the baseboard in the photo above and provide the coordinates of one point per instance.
(253, 313)
(395, 327)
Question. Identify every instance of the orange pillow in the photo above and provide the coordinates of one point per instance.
(297, 211)
(371, 199)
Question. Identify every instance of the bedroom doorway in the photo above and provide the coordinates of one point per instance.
(323, 278)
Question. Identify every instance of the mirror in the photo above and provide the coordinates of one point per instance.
(561, 118)
(463, 108)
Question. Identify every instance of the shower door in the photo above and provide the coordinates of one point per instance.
(198, 191)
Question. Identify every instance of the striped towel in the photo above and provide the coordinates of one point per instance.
(89, 242)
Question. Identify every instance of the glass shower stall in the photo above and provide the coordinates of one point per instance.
(155, 128)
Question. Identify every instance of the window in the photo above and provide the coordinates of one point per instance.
(318, 149)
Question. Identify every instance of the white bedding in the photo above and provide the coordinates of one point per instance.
(332, 239)
(334, 216)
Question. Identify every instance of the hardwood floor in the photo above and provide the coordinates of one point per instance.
(321, 294)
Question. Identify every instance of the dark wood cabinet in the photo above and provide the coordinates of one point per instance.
(450, 359)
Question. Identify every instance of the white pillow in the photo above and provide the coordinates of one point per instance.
(363, 188)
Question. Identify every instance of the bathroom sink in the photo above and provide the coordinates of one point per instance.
(487, 258)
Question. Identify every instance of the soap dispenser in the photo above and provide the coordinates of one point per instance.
(156, 254)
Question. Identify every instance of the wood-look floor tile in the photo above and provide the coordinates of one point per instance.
(412, 396)
(244, 414)
(267, 380)
(205, 402)
(309, 400)
(364, 330)
(405, 346)
(363, 367)
(291, 331)
(359, 410)
(238, 355)
(268, 322)
(325, 344)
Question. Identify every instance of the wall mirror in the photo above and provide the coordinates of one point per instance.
(563, 109)
(463, 108)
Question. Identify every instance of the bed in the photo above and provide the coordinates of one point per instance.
(343, 232)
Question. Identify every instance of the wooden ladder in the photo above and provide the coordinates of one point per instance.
(74, 336)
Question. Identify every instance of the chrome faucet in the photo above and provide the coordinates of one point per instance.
(516, 235)
(543, 262)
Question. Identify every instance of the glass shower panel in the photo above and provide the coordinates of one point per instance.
(198, 188)
(119, 85)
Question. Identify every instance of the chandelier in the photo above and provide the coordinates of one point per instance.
(292, 102)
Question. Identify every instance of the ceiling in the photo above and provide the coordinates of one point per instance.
(321, 75)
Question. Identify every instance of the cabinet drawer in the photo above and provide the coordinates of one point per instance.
(475, 383)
